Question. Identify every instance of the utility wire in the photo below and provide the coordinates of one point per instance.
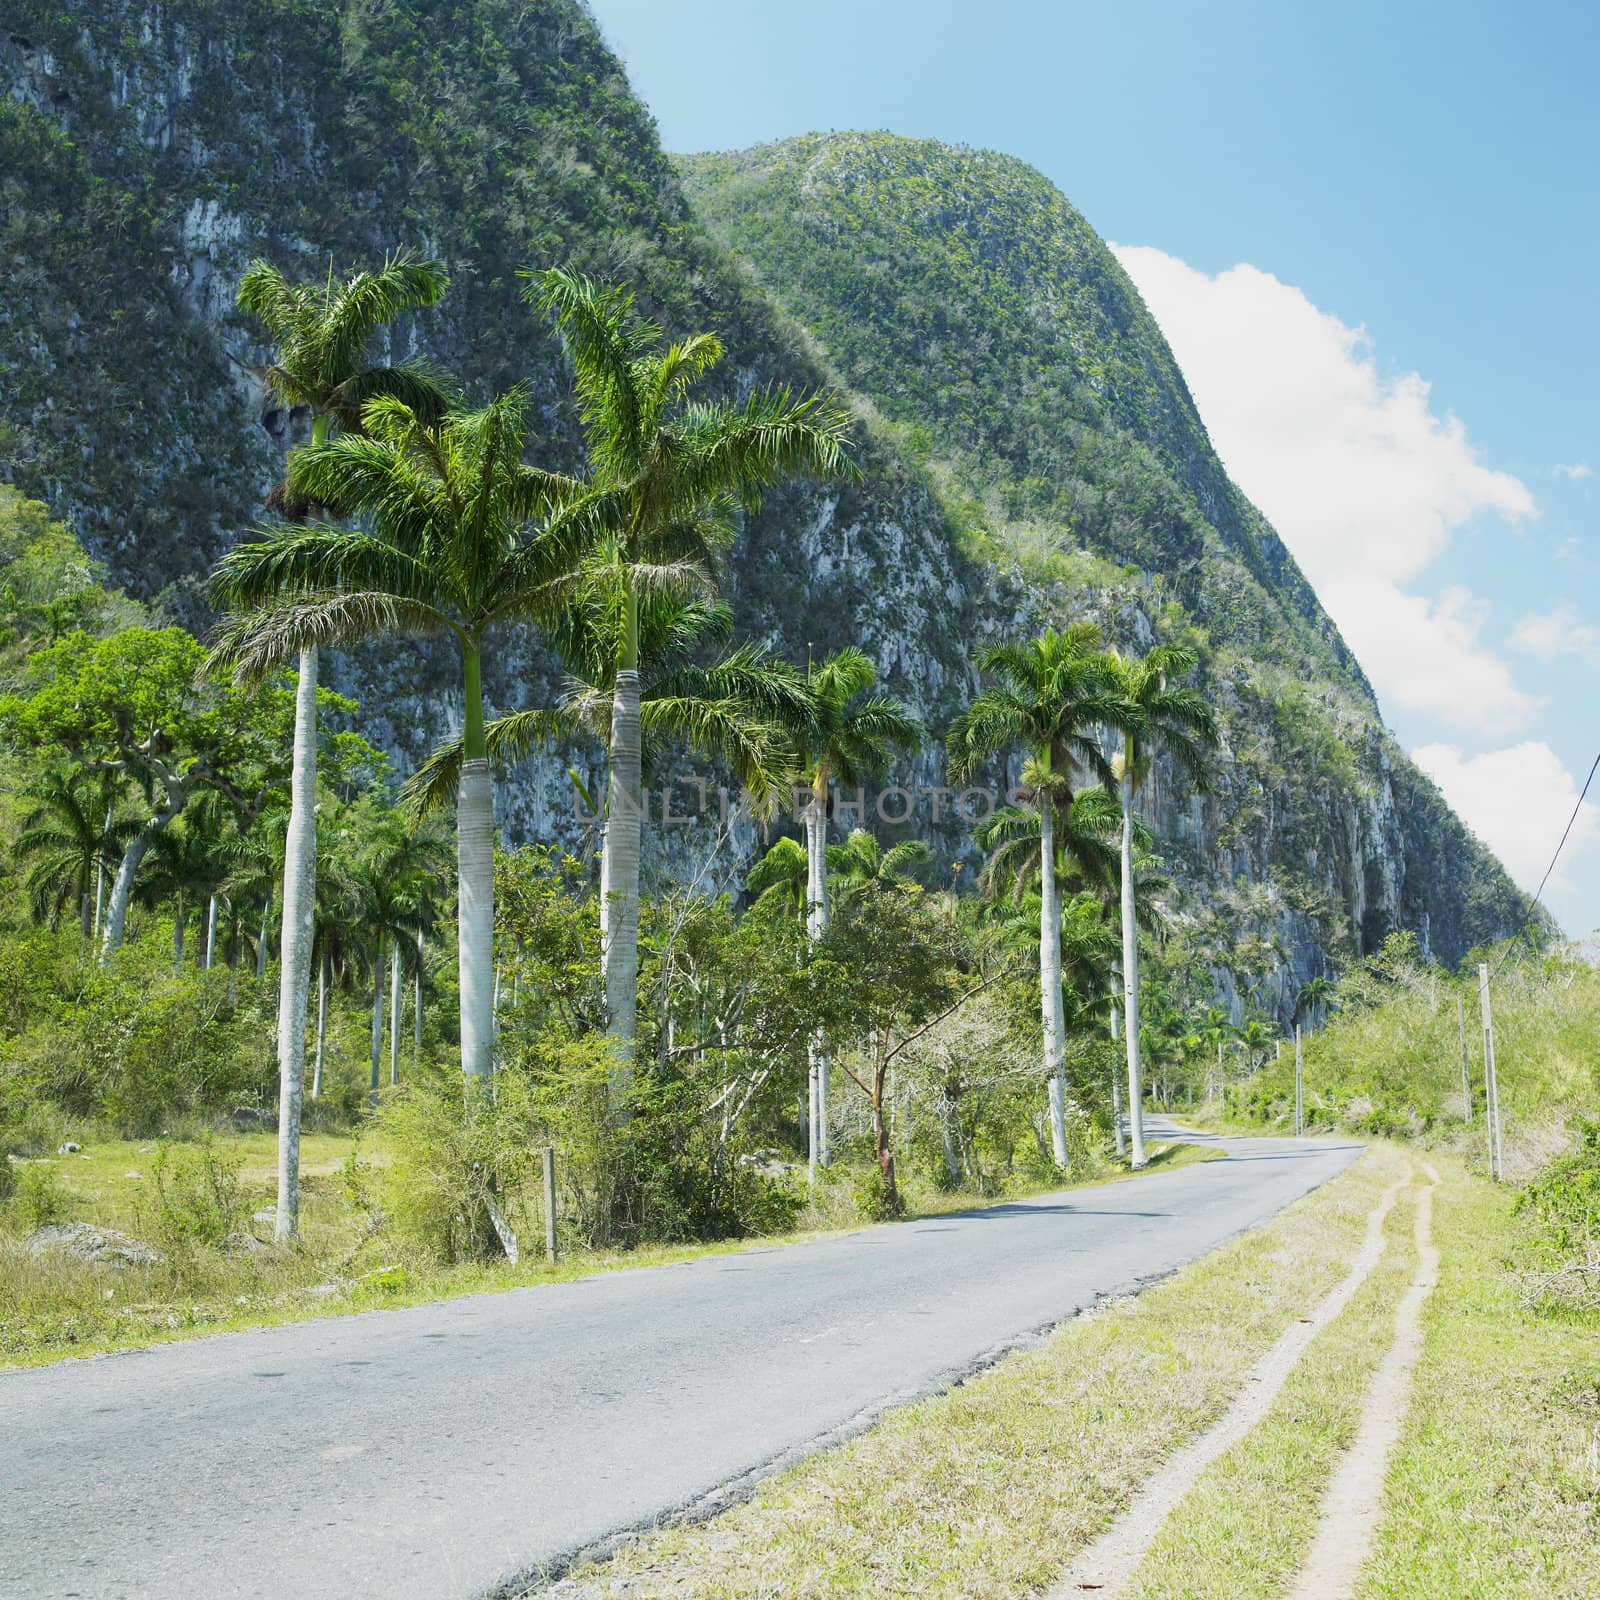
(1565, 832)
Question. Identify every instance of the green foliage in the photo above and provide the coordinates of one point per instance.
(1564, 1201)
(198, 1198)
(38, 1196)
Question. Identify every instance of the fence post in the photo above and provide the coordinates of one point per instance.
(1466, 1076)
(550, 1202)
(1299, 1085)
(1491, 1084)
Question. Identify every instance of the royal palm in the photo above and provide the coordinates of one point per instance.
(450, 552)
(323, 336)
(668, 473)
(1047, 699)
(1158, 714)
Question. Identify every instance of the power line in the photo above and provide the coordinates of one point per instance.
(1565, 832)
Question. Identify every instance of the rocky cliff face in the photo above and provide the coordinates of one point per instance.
(149, 151)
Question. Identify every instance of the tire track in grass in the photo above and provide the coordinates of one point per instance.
(1106, 1564)
(1350, 1509)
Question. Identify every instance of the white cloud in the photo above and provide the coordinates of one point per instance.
(1517, 801)
(1578, 471)
(1360, 477)
(1549, 634)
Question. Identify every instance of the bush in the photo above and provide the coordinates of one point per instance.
(873, 1199)
(199, 1199)
(39, 1197)
(1564, 1202)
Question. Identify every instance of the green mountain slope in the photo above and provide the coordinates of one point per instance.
(1029, 449)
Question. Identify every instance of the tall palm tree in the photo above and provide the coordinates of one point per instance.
(852, 734)
(185, 869)
(1159, 714)
(70, 834)
(449, 553)
(668, 474)
(323, 340)
(1049, 697)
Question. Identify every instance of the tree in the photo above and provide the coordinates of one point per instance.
(852, 734)
(781, 874)
(667, 474)
(72, 835)
(1049, 697)
(450, 552)
(130, 705)
(861, 863)
(1157, 715)
(323, 338)
(1315, 999)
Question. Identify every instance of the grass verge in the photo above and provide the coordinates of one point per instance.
(1246, 1526)
(52, 1307)
(1494, 1491)
(985, 1490)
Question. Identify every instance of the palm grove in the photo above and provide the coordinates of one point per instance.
(655, 1038)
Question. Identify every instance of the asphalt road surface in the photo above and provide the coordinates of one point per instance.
(459, 1449)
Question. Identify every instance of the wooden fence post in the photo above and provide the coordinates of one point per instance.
(550, 1202)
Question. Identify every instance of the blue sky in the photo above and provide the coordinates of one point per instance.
(1370, 233)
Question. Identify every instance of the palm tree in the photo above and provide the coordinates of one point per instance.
(1157, 714)
(323, 338)
(449, 553)
(1049, 697)
(667, 473)
(742, 707)
(71, 834)
(782, 873)
(861, 863)
(185, 868)
(852, 734)
(1314, 999)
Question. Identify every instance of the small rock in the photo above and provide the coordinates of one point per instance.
(270, 1214)
(70, 1148)
(136, 1176)
(83, 1241)
(245, 1244)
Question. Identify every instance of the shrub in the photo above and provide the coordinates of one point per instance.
(199, 1199)
(40, 1197)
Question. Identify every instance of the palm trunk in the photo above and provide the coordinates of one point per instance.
(377, 1018)
(624, 818)
(294, 976)
(210, 954)
(1053, 1013)
(816, 926)
(266, 921)
(179, 917)
(394, 1012)
(475, 873)
(100, 876)
(1130, 974)
(322, 1026)
(417, 984)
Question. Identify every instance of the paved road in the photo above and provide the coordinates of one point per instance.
(440, 1451)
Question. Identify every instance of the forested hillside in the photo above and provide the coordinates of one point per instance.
(1029, 451)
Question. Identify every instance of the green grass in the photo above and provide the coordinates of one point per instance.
(1246, 1526)
(988, 1489)
(51, 1307)
(1494, 1493)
